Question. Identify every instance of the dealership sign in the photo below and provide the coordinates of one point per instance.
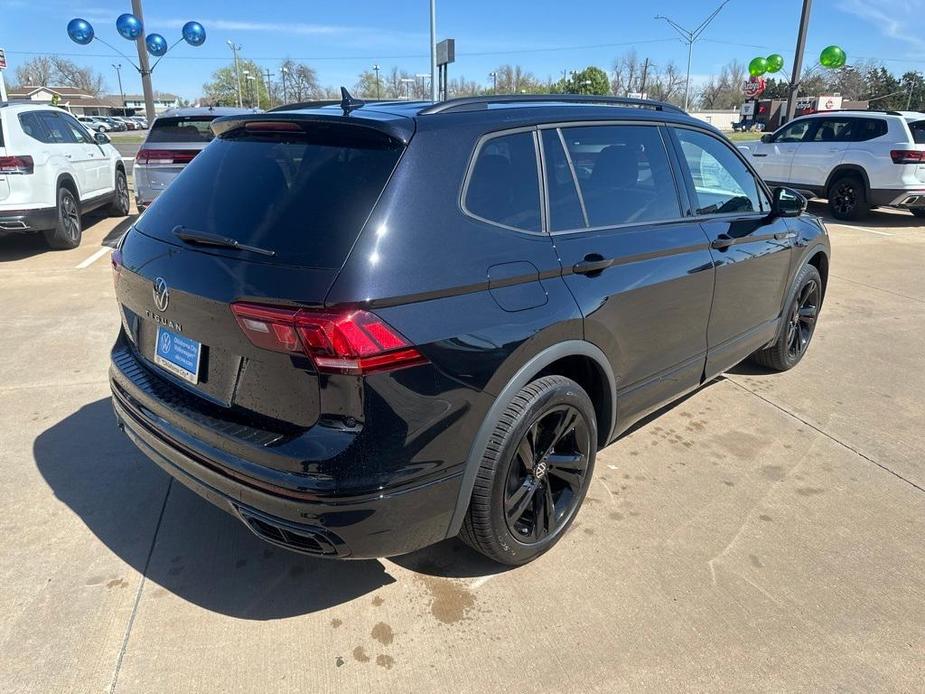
(754, 87)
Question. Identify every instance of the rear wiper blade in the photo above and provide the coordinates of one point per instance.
(207, 239)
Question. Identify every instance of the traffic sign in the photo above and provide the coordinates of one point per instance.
(2, 60)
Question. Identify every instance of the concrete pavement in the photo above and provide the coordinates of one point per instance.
(765, 534)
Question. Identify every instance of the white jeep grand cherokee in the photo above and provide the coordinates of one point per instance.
(52, 170)
(856, 159)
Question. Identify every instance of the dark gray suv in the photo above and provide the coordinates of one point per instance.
(364, 328)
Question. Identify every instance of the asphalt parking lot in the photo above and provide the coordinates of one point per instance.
(767, 533)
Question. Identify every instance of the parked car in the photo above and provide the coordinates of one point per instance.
(53, 170)
(92, 123)
(113, 123)
(174, 139)
(127, 122)
(140, 121)
(858, 160)
(363, 329)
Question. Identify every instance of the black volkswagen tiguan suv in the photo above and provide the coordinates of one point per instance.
(364, 328)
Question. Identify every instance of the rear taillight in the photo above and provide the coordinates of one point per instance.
(352, 342)
(907, 156)
(22, 164)
(155, 157)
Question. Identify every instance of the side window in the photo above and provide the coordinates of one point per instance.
(565, 211)
(864, 129)
(833, 130)
(57, 128)
(795, 132)
(77, 130)
(34, 126)
(918, 132)
(722, 182)
(504, 185)
(624, 174)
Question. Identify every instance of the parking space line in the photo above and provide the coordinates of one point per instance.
(869, 231)
(93, 258)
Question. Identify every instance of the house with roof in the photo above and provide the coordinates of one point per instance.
(163, 101)
(72, 99)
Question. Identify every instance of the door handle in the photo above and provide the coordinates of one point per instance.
(592, 263)
(722, 242)
(759, 155)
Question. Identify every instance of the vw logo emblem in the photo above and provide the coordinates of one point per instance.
(161, 294)
(540, 469)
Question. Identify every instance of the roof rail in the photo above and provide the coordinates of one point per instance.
(473, 103)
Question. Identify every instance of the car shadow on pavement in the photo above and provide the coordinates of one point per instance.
(21, 246)
(201, 553)
(877, 219)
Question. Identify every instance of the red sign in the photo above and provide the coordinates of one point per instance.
(2, 59)
(754, 87)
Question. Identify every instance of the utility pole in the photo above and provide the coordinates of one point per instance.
(269, 84)
(376, 69)
(645, 73)
(494, 78)
(237, 73)
(794, 90)
(911, 89)
(433, 50)
(118, 68)
(143, 65)
(282, 75)
(690, 37)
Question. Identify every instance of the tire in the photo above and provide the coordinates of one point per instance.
(120, 206)
(799, 325)
(918, 211)
(67, 231)
(509, 517)
(848, 198)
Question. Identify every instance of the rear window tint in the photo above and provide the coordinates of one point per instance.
(504, 187)
(918, 132)
(182, 129)
(304, 196)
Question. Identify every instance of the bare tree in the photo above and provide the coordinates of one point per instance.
(666, 84)
(513, 79)
(627, 74)
(301, 81)
(35, 72)
(53, 70)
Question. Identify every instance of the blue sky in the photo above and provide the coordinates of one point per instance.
(340, 39)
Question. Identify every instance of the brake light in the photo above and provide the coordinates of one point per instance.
(272, 126)
(908, 156)
(155, 157)
(17, 165)
(351, 342)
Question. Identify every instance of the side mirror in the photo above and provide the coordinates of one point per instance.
(788, 203)
(767, 138)
(101, 138)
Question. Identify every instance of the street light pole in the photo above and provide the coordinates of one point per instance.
(282, 73)
(690, 38)
(494, 78)
(143, 65)
(118, 68)
(376, 69)
(433, 50)
(794, 90)
(234, 49)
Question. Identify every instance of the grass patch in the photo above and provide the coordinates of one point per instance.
(129, 137)
(738, 137)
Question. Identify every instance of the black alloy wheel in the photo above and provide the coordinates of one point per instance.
(802, 320)
(548, 474)
(534, 472)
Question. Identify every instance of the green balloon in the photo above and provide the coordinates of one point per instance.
(758, 67)
(833, 57)
(775, 62)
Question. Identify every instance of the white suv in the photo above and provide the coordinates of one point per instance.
(856, 159)
(52, 170)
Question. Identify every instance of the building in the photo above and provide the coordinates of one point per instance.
(162, 102)
(71, 99)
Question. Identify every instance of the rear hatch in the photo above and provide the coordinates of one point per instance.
(288, 203)
(170, 146)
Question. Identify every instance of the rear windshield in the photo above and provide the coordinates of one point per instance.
(182, 129)
(918, 131)
(304, 195)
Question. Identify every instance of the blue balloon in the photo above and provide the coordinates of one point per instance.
(194, 33)
(129, 26)
(80, 31)
(157, 44)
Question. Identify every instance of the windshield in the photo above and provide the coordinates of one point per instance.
(303, 195)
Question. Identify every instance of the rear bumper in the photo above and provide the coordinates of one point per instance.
(899, 197)
(23, 221)
(299, 513)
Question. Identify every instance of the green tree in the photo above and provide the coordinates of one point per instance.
(222, 90)
(591, 80)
